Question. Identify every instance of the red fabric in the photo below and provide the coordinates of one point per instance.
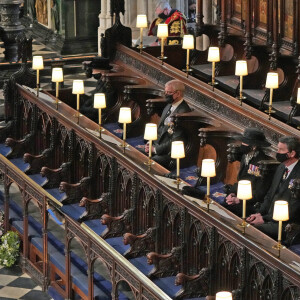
(177, 15)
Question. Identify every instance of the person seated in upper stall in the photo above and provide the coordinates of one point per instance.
(253, 141)
(166, 132)
(174, 18)
(288, 154)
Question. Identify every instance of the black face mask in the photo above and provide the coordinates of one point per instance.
(281, 157)
(245, 149)
(169, 99)
(162, 16)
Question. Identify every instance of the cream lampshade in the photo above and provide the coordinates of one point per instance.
(244, 192)
(280, 214)
(150, 135)
(271, 83)
(241, 70)
(213, 57)
(188, 43)
(125, 118)
(272, 80)
(37, 64)
(141, 22)
(223, 296)
(162, 33)
(208, 169)
(150, 132)
(213, 54)
(298, 96)
(57, 77)
(78, 88)
(177, 152)
(99, 103)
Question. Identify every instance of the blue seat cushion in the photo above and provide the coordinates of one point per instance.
(73, 210)
(57, 194)
(295, 248)
(137, 142)
(96, 226)
(141, 264)
(114, 128)
(216, 191)
(39, 179)
(53, 293)
(4, 150)
(167, 284)
(117, 244)
(19, 163)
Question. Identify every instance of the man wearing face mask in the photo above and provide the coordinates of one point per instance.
(166, 15)
(253, 140)
(166, 132)
(288, 154)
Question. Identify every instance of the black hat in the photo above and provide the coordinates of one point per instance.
(101, 63)
(253, 137)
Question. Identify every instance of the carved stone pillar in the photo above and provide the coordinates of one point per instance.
(11, 27)
(104, 20)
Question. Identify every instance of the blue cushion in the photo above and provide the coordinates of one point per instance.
(95, 225)
(216, 191)
(117, 244)
(73, 210)
(39, 179)
(53, 293)
(19, 163)
(295, 248)
(18, 225)
(4, 150)
(167, 284)
(189, 175)
(114, 128)
(60, 246)
(141, 264)
(57, 194)
(137, 142)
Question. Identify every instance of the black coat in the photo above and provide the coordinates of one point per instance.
(282, 191)
(165, 138)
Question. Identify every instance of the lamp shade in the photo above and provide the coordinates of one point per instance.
(244, 190)
(223, 296)
(177, 149)
(125, 115)
(213, 54)
(188, 41)
(99, 100)
(162, 31)
(208, 168)
(150, 132)
(281, 210)
(78, 87)
(57, 75)
(241, 68)
(141, 21)
(37, 63)
(272, 80)
(298, 96)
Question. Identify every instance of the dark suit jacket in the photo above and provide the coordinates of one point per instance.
(282, 191)
(165, 139)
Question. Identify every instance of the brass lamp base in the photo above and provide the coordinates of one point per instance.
(243, 225)
(208, 201)
(124, 145)
(278, 247)
(149, 162)
(213, 84)
(241, 98)
(177, 182)
(78, 115)
(269, 112)
(162, 58)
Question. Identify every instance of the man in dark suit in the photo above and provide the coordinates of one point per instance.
(166, 132)
(288, 154)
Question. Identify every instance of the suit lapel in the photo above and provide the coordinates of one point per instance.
(163, 116)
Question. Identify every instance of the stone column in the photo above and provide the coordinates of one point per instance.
(104, 20)
(11, 25)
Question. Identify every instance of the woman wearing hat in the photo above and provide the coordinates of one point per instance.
(253, 141)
